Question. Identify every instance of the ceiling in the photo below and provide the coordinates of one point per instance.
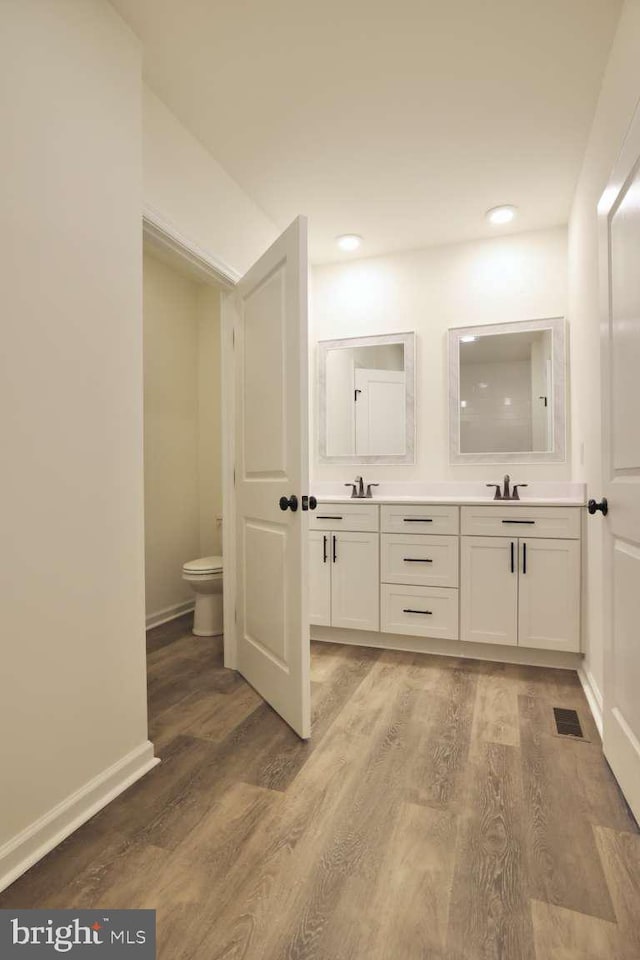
(501, 348)
(403, 122)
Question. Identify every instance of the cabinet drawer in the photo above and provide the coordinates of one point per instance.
(345, 516)
(420, 611)
(561, 523)
(418, 518)
(418, 559)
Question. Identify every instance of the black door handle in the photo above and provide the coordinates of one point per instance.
(593, 506)
(324, 549)
(309, 503)
(524, 558)
(335, 552)
(513, 569)
(289, 503)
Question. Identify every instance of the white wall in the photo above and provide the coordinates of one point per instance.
(618, 100)
(72, 683)
(191, 192)
(182, 443)
(493, 281)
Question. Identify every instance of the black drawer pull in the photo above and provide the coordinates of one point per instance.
(324, 549)
(328, 518)
(519, 521)
(417, 520)
(417, 560)
(427, 613)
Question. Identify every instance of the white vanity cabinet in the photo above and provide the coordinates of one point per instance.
(524, 588)
(505, 574)
(344, 567)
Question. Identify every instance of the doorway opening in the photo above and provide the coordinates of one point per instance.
(183, 463)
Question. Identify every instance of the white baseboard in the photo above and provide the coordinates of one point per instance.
(593, 695)
(527, 656)
(22, 851)
(169, 613)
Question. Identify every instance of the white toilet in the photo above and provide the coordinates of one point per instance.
(205, 577)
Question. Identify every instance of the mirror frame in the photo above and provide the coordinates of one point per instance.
(557, 453)
(409, 340)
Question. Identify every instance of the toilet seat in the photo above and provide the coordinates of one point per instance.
(203, 567)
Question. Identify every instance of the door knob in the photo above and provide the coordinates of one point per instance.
(289, 503)
(593, 506)
(309, 503)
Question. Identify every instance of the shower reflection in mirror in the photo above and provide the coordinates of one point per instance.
(507, 392)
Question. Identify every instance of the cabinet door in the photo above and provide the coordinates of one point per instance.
(319, 578)
(489, 590)
(355, 581)
(549, 594)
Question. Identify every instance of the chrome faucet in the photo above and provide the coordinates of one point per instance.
(358, 491)
(507, 493)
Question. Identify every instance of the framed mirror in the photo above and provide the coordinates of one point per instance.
(507, 392)
(366, 399)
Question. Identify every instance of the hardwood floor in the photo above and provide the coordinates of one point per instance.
(434, 814)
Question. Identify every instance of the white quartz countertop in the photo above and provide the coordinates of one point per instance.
(461, 501)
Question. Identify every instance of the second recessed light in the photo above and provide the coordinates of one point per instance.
(503, 214)
(349, 242)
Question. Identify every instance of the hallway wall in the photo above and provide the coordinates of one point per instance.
(72, 684)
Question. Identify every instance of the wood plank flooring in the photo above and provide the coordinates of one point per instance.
(434, 814)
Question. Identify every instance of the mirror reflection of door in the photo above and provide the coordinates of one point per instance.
(379, 400)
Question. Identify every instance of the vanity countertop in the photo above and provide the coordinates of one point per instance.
(461, 501)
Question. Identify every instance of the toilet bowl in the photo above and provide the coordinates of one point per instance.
(205, 577)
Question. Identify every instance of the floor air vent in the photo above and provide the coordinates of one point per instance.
(567, 723)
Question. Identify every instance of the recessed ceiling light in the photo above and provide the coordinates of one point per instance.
(468, 339)
(503, 214)
(349, 242)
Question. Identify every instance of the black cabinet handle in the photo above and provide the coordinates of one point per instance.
(417, 560)
(289, 503)
(528, 522)
(335, 552)
(593, 506)
(513, 568)
(328, 518)
(427, 613)
(324, 549)
(524, 558)
(417, 520)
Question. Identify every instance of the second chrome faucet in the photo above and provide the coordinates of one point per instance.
(358, 491)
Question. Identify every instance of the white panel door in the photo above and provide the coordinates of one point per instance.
(355, 581)
(619, 212)
(549, 594)
(319, 579)
(380, 413)
(271, 433)
(489, 590)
